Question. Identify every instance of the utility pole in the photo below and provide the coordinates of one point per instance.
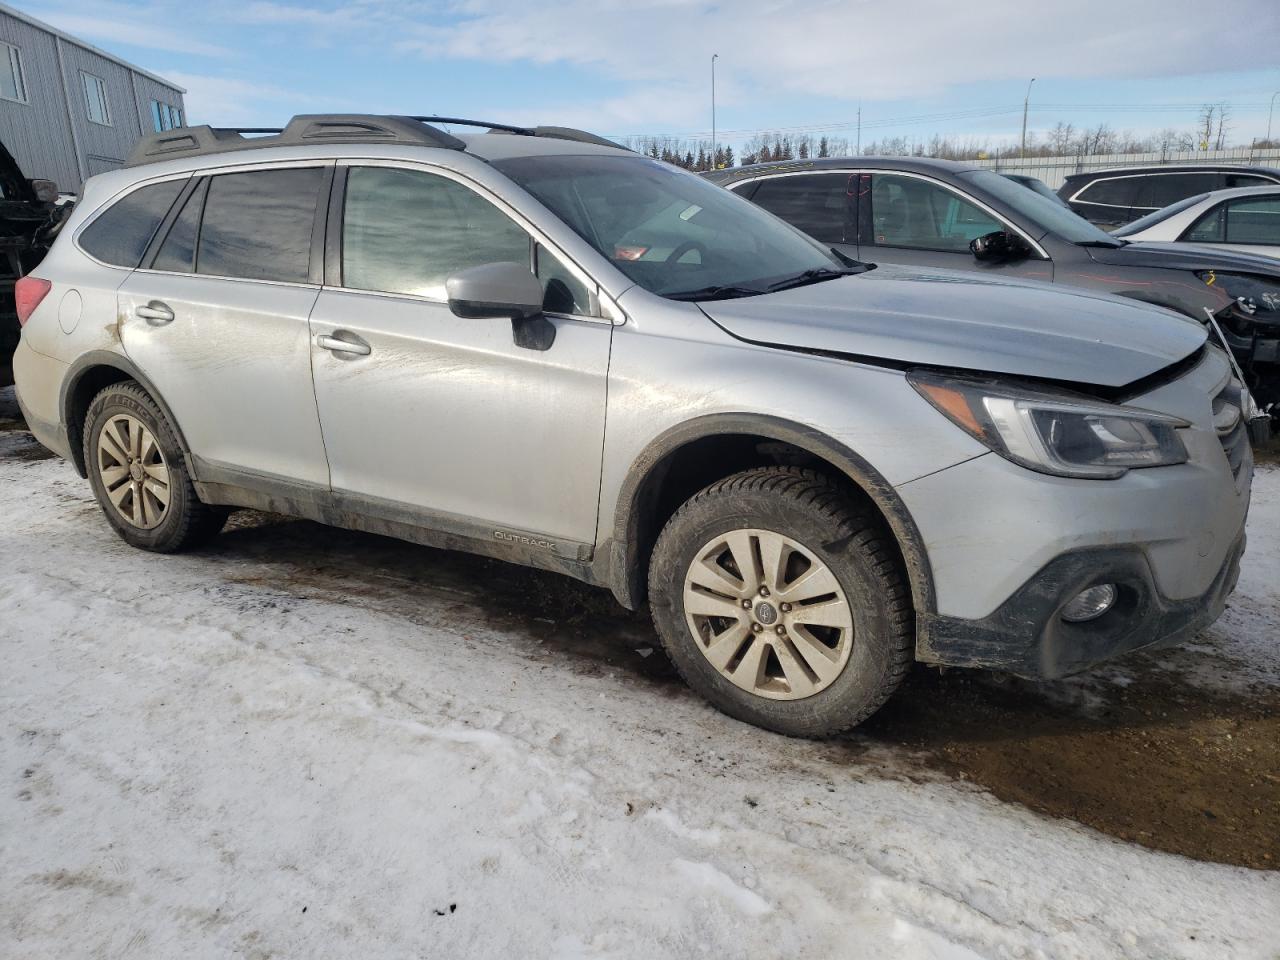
(714, 58)
(858, 149)
(1026, 102)
(1269, 113)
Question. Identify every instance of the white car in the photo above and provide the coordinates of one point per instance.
(1244, 218)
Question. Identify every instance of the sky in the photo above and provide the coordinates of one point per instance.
(643, 67)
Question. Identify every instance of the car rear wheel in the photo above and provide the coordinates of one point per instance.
(782, 602)
(139, 476)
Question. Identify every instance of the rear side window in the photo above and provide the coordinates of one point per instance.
(405, 231)
(1112, 193)
(120, 235)
(815, 203)
(1163, 189)
(257, 225)
(178, 252)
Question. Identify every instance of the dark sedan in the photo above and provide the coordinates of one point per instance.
(942, 214)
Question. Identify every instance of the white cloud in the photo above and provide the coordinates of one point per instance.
(137, 26)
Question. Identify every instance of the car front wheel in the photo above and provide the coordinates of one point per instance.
(782, 602)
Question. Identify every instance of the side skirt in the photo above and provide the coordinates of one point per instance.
(218, 484)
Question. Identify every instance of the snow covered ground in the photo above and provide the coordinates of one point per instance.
(302, 743)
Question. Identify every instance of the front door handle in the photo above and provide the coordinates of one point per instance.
(356, 348)
(155, 312)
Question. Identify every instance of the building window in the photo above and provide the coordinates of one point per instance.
(95, 99)
(13, 86)
(165, 117)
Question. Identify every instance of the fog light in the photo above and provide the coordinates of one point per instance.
(1090, 604)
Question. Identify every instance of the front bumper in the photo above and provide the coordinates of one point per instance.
(1027, 636)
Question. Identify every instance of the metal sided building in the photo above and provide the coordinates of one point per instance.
(69, 110)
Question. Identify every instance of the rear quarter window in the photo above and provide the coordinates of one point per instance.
(120, 234)
(1117, 192)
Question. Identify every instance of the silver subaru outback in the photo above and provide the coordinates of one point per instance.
(531, 344)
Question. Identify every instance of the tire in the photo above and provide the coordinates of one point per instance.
(131, 417)
(751, 512)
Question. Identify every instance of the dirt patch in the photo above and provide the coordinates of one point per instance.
(1158, 763)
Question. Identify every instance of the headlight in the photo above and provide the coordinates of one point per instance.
(1254, 294)
(1054, 433)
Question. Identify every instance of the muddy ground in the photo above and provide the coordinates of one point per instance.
(1153, 759)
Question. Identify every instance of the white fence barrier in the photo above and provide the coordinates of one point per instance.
(1054, 170)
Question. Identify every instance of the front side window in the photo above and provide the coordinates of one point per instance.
(671, 232)
(120, 235)
(406, 231)
(920, 215)
(816, 203)
(95, 99)
(13, 84)
(258, 225)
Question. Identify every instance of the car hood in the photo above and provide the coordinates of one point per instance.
(1185, 256)
(957, 320)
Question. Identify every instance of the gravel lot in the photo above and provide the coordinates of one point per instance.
(303, 742)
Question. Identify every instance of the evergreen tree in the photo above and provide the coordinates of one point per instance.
(804, 150)
(688, 160)
(702, 158)
(728, 156)
(824, 150)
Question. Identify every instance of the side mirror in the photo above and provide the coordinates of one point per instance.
(495, 290)
(997, 246)
(503, 290)
(46, 191)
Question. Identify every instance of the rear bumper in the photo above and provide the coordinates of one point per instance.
(1027, 636)
(39, 379)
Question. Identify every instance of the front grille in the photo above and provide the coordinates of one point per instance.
(1229, 422)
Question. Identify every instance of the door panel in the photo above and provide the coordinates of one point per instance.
(234, 366)
(449, 416)
(915, 221)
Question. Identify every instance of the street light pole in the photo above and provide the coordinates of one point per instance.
(1269, 113)
(1026, 101)
(714, 58)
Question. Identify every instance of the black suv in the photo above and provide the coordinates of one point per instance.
(1112, 198)
(938, 213)
(29, 217)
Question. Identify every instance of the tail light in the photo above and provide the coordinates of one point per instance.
(27, 294)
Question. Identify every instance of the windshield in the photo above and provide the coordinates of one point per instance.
(1048, 215)
(673, 233)
(1164, 213)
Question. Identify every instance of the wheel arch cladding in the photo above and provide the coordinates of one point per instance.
(86, 378)
(719, 445)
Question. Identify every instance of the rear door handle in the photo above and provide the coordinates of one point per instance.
(355, 347)
(154, 312)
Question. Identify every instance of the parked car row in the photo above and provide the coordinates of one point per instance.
(939, 213)
(816, 460)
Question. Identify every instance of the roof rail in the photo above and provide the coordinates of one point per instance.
(309, 129)
(303, 130)
(555, 133)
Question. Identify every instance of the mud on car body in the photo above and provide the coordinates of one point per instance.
(531, 344)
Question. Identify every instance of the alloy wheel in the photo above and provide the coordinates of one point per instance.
(768, 614)
(134, 473)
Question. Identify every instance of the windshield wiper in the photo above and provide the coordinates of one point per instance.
(816, 275)
(715, 292)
